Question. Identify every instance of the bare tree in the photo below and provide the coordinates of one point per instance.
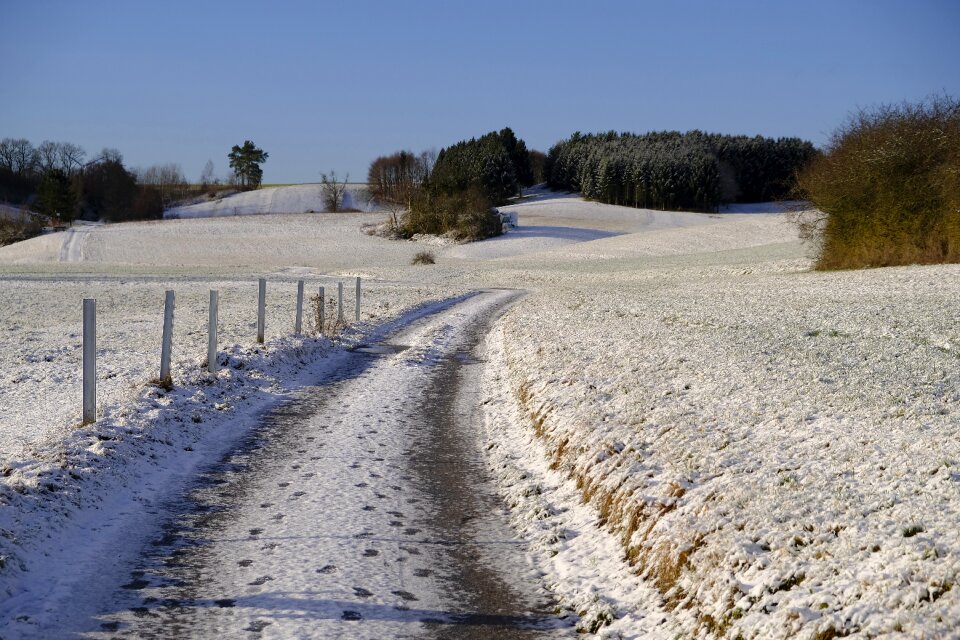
(333, 191)
(60, 156)
(48, 156)
(17, 155)
(71, 157)
(207, 177)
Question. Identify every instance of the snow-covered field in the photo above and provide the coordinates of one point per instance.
(301, 198)
(763, 450)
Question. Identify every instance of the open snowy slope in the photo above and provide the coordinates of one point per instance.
(301, 198)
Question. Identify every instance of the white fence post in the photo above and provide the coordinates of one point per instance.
(89, 360)
(358, 300)
(323, 311)
(261, 309)
(167, 342)
(212, 333)
(298, 325)
(340, 302)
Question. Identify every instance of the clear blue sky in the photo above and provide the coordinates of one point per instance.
(331, 85)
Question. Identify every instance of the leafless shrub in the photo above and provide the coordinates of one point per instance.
(423, 257)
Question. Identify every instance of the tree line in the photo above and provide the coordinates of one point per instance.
(57, 180)
(670, 170)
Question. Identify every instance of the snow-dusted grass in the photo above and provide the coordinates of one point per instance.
(41, 352)
(775, 449)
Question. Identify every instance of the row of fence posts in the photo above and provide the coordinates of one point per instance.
(166, 348)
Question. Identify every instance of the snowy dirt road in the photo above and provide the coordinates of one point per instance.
(363, 508)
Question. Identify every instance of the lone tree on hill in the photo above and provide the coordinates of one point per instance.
(333, 191)
(245, 162)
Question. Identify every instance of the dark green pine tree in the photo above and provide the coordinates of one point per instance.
(55, 197)
(245, 161)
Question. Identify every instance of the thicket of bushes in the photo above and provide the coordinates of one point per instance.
(888, 188)
(13, 230)
(676, 171)
(455, 193)
(462, 215)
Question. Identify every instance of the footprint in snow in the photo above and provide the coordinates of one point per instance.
(278, 517)
(255, 532)
(370, 553)
(261, 580)
(411, 531)
(283, 485)
(327, 569)
(266, 505)
(361, 485)
(297, 494)
(245, 563)
(368, 508)
(423, 573)
(258, 625)
(360, 592)
(406, 595)
(396, 523)
(351, 615)
(224, 603)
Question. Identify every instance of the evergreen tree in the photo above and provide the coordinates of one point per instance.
(55, 197)
(245, 161)
(672, 170)
(497, 163)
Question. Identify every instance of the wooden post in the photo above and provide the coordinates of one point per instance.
(298, 324)
(261, 309)
(357, 314)
(89, 360)
(212, 333)
(340, 302)
(323, 311)
(167, 343)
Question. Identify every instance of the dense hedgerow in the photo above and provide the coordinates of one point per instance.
(888, 188)
(671, 170)
(497, 164)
